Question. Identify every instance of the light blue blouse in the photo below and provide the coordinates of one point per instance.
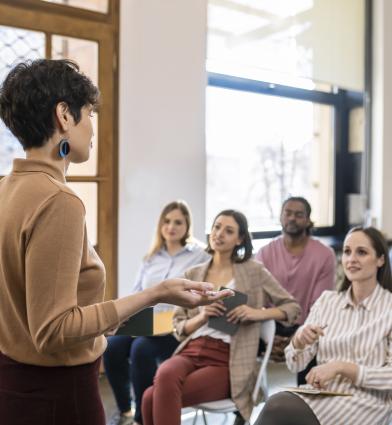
(163, 266)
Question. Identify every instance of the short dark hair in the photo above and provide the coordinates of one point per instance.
(242, 252)
(381, 247)
(31, 91)
(308, 209)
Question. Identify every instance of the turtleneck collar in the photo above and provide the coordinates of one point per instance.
(36, 165)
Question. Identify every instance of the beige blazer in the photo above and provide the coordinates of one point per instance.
(255, 280)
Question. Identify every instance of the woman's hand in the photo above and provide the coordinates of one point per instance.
(307, 335)
(187, 293)
(213, 310)
(244, 313)
(319, 376)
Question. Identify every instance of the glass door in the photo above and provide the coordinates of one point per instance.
(89, 38)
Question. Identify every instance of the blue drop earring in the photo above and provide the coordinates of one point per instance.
(64, 148)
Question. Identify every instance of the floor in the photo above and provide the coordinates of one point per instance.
(278, 377)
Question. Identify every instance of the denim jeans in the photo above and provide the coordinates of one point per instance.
(134, 360)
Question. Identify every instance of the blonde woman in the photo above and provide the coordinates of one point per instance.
(130, 360)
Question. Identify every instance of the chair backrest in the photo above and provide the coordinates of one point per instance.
(267, 335)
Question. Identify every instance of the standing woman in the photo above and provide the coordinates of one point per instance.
(130, 360)
(52, 314)
(351, 333)
(209, 364)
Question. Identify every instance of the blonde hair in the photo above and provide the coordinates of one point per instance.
(158, 242)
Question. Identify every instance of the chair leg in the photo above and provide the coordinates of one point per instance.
(225, 418)
(195, 417)
(204, 418)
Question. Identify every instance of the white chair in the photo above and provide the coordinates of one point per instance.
(227, 405)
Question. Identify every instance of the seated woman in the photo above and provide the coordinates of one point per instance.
(134, 360)
(209, 364)
(351, 333)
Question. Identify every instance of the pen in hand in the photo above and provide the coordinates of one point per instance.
(323, 327)
(308, 335)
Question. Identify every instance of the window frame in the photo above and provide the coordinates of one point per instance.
(56, 19)
(39, 6)
(342, 101)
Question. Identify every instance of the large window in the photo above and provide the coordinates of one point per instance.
(284, 77)
(299, 43)
(258, 155)
(31, 29)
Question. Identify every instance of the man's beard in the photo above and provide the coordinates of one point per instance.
(294, 231)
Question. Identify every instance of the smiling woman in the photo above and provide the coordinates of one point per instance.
(174, 227)
(350, 331)
(203, 355)
(129, 360)
(364, 260)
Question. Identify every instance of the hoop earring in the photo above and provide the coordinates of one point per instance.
(64, 148)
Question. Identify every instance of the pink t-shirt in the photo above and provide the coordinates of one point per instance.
(305, 276)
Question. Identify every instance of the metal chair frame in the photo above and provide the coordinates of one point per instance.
(227, 405)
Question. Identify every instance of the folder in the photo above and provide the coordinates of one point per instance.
(315, 391)
(147, 323)
(220, 323)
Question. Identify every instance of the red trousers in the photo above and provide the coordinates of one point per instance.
(199, 373)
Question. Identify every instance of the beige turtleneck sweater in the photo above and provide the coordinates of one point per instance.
(51, 279)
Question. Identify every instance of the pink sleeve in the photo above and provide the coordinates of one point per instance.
(259, 255)
(326, 280)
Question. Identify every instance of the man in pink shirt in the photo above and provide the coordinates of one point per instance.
(301, 264)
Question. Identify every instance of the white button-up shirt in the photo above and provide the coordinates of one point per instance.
(163, 266)
(360, 334)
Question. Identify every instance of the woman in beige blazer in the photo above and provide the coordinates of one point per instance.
(210, 364)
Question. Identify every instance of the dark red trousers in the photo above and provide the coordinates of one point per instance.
(199, 373)
(36, 395)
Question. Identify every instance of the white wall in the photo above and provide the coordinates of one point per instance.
(161, 128)
(162, 154)
(337, 27)
(381, 178)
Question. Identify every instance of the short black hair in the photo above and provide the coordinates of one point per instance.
(308, 209)
(242, 252)
(31, 91)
